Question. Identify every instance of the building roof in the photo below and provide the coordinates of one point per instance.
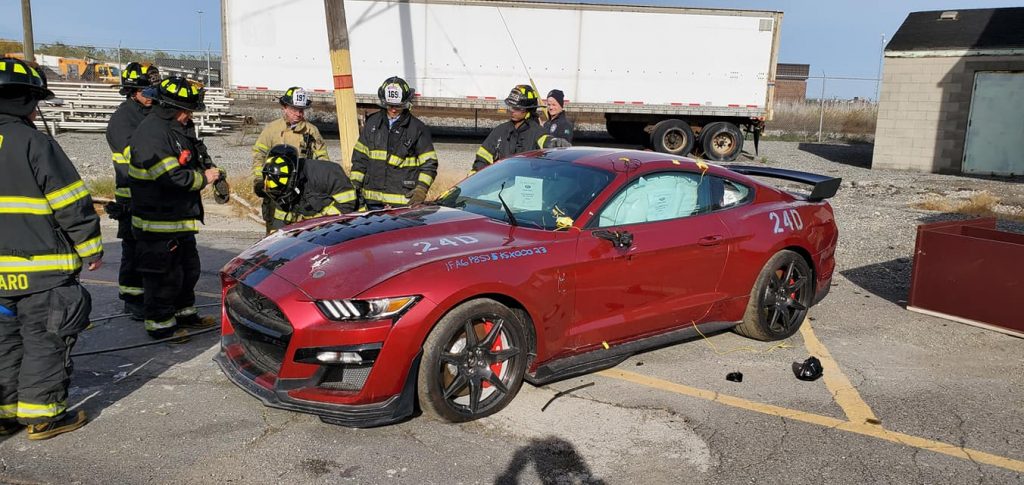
(797, 72)
(975, 29)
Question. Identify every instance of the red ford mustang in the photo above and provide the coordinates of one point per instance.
(541, 267)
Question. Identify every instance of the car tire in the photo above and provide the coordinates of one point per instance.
(721, 141)
(780, 298)
(673, 137)
(463, 378)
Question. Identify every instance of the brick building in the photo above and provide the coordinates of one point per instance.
(791, 82)
(952, 98)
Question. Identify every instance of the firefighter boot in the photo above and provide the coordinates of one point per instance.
(45, 431)
(9, 426)
(196, 322)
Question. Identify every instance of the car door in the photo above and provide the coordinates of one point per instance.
(650, 261)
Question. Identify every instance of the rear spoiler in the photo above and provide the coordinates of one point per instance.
(824, 186)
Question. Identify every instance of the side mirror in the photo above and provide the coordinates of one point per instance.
(619, 239)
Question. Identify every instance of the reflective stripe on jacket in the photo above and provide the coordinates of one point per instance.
(506, 140)
(279, 133)
(50, 225)
(388, 162)
(166, 178)
(325, 191)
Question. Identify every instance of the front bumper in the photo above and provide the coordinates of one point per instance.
(274, 392)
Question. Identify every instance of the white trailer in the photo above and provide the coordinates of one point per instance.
(659, 75)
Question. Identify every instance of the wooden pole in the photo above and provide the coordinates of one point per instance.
(341, 67)
(26, 23)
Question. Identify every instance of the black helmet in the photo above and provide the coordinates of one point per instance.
(178, 92)
(522, 97)
(808, 370)
(394, 91)
(138, 76)
(296, 97)
(280, 173)
(16, 74)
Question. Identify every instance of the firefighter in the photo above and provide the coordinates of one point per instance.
(290, 129)
(394, 162)
(134, 79)
(520, 134)
(51, 231)
(558, 124)
(167, 173)
(304, 188)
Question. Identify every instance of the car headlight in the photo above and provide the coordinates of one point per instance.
(370, 309)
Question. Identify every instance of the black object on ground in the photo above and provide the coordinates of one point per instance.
(734, 377)
(808, 370)
(562, 393)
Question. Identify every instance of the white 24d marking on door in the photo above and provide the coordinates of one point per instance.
(789, 219)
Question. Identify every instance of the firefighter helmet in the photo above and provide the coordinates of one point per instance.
(17, 74)
(394, 91)
(178, 92)
(138, 76)
(296, 97)
(522, 97)
(280, 174)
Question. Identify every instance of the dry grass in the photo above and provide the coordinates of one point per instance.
(842, 119)
(981, 204)
(102, 187)
(444, 181)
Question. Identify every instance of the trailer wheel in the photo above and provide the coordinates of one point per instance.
(672, 136)
(721, 141)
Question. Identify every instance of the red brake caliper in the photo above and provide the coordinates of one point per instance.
(496, 367)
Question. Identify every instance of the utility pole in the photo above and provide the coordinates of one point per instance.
(341, 68)
(878, 81)
(26, 23)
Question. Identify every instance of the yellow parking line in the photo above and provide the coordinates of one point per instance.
(845, 395)
(114, 283)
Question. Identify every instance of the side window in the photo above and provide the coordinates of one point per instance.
(658, 197)
(732, 194)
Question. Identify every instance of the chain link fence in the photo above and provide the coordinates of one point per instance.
(830, 110)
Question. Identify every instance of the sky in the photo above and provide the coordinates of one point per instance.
(838, 38)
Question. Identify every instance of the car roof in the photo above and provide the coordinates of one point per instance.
(611, 159)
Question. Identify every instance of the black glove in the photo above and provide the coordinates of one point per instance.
(257, 188)
(116, 210)
(221, 189)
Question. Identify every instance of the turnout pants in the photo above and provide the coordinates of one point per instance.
(129, 280)
(170, 271)
(35, 351)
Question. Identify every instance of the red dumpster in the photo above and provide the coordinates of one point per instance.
(969, 272)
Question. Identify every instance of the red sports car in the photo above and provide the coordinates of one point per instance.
(543, 266)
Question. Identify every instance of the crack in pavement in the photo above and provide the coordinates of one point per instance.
(269, 429)
(962, 441)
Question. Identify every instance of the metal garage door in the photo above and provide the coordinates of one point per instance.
(995, 132)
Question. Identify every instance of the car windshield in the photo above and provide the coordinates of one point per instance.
(538, 191)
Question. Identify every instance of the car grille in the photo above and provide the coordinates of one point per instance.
(346, 378)
(262, 328)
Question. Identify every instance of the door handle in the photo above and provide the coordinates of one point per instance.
(710, 240)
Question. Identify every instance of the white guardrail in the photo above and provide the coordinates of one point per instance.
(88, 107)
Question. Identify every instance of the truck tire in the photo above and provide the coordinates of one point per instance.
(673, 137)
(721, 141)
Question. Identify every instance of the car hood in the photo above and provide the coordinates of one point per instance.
(340, 257)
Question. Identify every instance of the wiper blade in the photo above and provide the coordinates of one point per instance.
(511, 218)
